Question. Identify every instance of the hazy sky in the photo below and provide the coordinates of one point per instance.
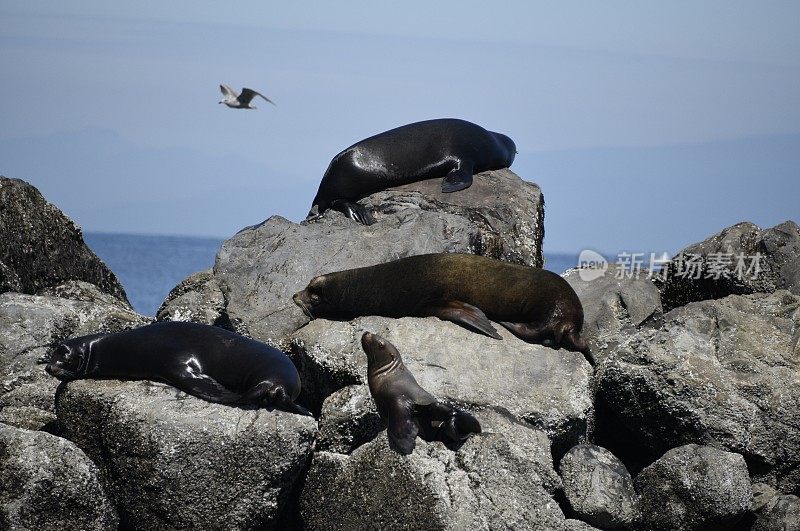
(648, 125)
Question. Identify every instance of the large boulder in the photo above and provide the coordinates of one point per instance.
(197, 299)
(169, 460)
(500, 479)
(616, 301)
(30, 325)
(719, 372)
(547, 388)
(349, 418)
(259, 269)
(597, 486)
(693, 488)
(738, 260)
(48, 483)
(40, 246)
(781, 511)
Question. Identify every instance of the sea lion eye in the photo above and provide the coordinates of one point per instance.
(314, 298)
(381, 343)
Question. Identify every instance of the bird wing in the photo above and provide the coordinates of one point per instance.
(248, 95)
(227, 91)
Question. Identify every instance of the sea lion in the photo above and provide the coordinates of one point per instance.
(534, 304)
(449, 148)
(205, 361)
(407, 408)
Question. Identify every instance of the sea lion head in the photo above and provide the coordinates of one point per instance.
(313, 300)
(70, 359)
(382, 356)
(511, 148)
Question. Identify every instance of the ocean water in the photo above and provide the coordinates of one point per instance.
(150, 266)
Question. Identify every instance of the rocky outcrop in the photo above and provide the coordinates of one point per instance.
(349, 418)
(545, 387)
(500, 479)
(198, 299)
(31, 325)
(780, 511)
(169, 460)
(614, 303)
(48, 483)
(721, 372)
(261, 267)
(693, 488)
(41, 247)
(597, 486)
(738, 260)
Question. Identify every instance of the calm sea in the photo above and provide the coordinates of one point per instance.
(150, 266)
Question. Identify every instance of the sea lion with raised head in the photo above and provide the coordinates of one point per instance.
(407, 408)
(449, 148)
(205, 361)
(536, 305)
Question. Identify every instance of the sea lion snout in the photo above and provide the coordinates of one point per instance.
(301, 299)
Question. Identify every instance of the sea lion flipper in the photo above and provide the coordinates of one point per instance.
(527, 332)
(463, 424)
(402, 426)
(353, 211)
(461, 313)
(456, 180)
(207, 388)
(456, 424)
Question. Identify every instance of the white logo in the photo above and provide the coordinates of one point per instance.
(591, 265)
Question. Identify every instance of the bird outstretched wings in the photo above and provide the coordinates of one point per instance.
(247, 96)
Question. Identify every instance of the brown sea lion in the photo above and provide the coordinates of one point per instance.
(535, 304)
(407, 408)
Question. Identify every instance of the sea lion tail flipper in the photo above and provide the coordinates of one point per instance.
(272, 395)
(456, 180)
(402, 427)
(353, 211)
(464, 424)
(461, 313)
(457, 424)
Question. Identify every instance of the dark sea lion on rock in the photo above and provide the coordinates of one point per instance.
(449, 148)
(535, 304)
(205, 361)
(407, 408)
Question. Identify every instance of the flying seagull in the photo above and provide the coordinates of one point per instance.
(240, 101)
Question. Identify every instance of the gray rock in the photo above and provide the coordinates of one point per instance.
(48, 483)
(712, 269)
(198, 299)
(500, 479)
(170, 460)
(693, 488)
(261, 267)
(616, 302)
(571, 524)
(781, 512)
(546, 387)
(598, 487)
(348, 419)
(30, 326)
(40, 246)
(721, 372)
